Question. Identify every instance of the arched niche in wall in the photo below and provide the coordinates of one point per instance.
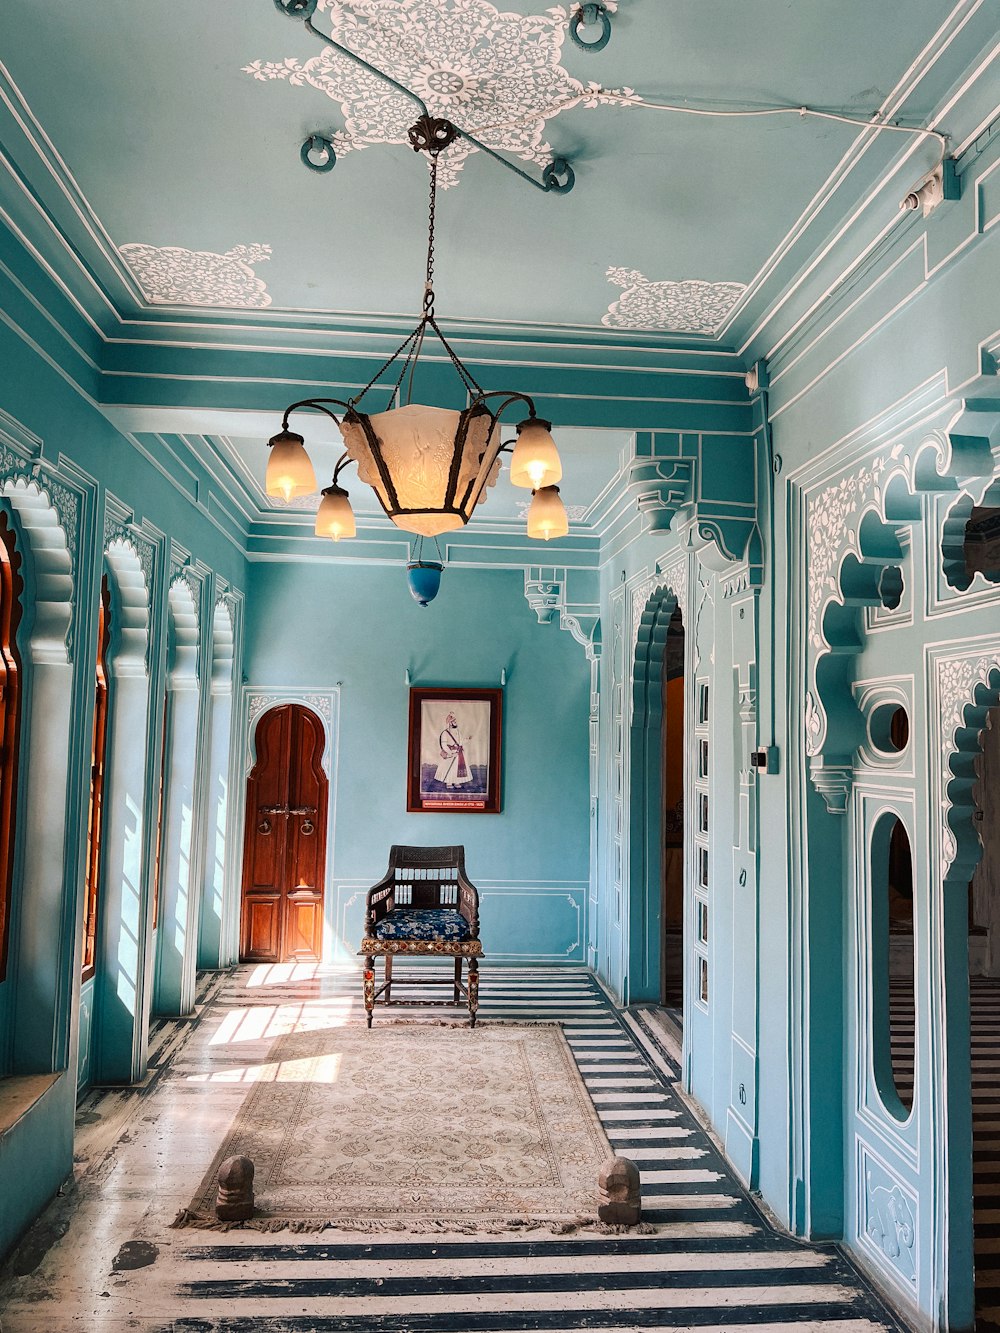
(211, 934)
(965, 681)
(177, 923)
(119, 1027)
(893, 980)
(45, 915)
(654, 604)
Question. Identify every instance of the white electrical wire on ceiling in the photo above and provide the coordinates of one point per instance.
(626, 99)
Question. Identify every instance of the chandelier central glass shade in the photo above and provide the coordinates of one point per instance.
(429, 466)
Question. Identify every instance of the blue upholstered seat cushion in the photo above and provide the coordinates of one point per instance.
(423, 923)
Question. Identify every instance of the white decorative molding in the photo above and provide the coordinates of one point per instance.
(831, 535)
(673, 577)
(815, 725)
(170, 275)
(889, 1218)
(258, 699)
(119, 530)
(495, 73)
(690, 306)
(546, 590)
(957, 680)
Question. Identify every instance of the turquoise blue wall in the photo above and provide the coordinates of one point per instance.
(854, 402)
(357, 627)
(54, 432)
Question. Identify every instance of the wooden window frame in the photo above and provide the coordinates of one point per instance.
(98, 776)
(11, 677)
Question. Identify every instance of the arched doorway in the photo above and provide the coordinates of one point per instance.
(655, 745)
(984, 1023)
(284, 854)
(672, 818)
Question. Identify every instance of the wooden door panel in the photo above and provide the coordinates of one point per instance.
(265, 868)
(285, 840)
(303, 928)
(262, 920)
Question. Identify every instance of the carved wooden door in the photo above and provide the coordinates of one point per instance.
(285, 843)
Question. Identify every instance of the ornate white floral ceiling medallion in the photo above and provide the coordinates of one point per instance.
(691, 306)
(496, 74)
(169, 275)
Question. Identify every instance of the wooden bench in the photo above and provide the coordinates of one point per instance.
(423, 906)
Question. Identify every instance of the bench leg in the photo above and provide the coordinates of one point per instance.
(369, 988)
(388, 978)
(473, 990)
(458, 979)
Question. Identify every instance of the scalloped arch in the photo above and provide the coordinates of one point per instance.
(969, 690)
(132, 640)
(184, 635)
(51, 568)
(223, 646)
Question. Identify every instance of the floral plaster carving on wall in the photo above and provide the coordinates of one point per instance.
(495, 74)
(170, 275)
(691, 306)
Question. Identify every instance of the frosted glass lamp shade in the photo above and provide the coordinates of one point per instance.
(547, 515)
(535, 461)
(429, 466)
(335, 517)
(289, 471)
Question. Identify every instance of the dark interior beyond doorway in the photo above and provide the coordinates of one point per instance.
(672, 789)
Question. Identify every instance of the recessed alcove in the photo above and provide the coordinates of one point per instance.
(893, 964)
(970, 542)
(889, 728)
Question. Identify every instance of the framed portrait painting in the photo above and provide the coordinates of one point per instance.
(454, 751)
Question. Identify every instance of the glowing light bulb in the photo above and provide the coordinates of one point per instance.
(535, 463)
(547, 515)
(289, 471)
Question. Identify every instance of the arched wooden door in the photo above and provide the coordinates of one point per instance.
(285, 844)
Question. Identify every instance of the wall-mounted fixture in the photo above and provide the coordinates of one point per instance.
(317, 151)
(588, 17)
(429, 466)
(943, 183)
(765, 760)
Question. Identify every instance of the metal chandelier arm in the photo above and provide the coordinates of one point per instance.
(509, 396)
(317, 405)
(359, 60)
(342, 462)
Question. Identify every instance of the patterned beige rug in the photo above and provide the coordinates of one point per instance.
(417, 1128)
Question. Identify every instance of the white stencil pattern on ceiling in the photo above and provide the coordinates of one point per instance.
(466, 59)
(170, 275)
(575, 513)
(691, 306)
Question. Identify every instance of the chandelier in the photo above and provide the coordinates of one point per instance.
(429, 466)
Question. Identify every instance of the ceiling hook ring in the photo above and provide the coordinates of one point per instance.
(558, 177)
(318, 143)
(296, 9)
(587, 16)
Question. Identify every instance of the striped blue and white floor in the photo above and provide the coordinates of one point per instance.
(714, 1262)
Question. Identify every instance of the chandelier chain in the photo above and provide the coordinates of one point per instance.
(429, 281)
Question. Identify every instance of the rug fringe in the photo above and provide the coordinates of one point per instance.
(494, 1226)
